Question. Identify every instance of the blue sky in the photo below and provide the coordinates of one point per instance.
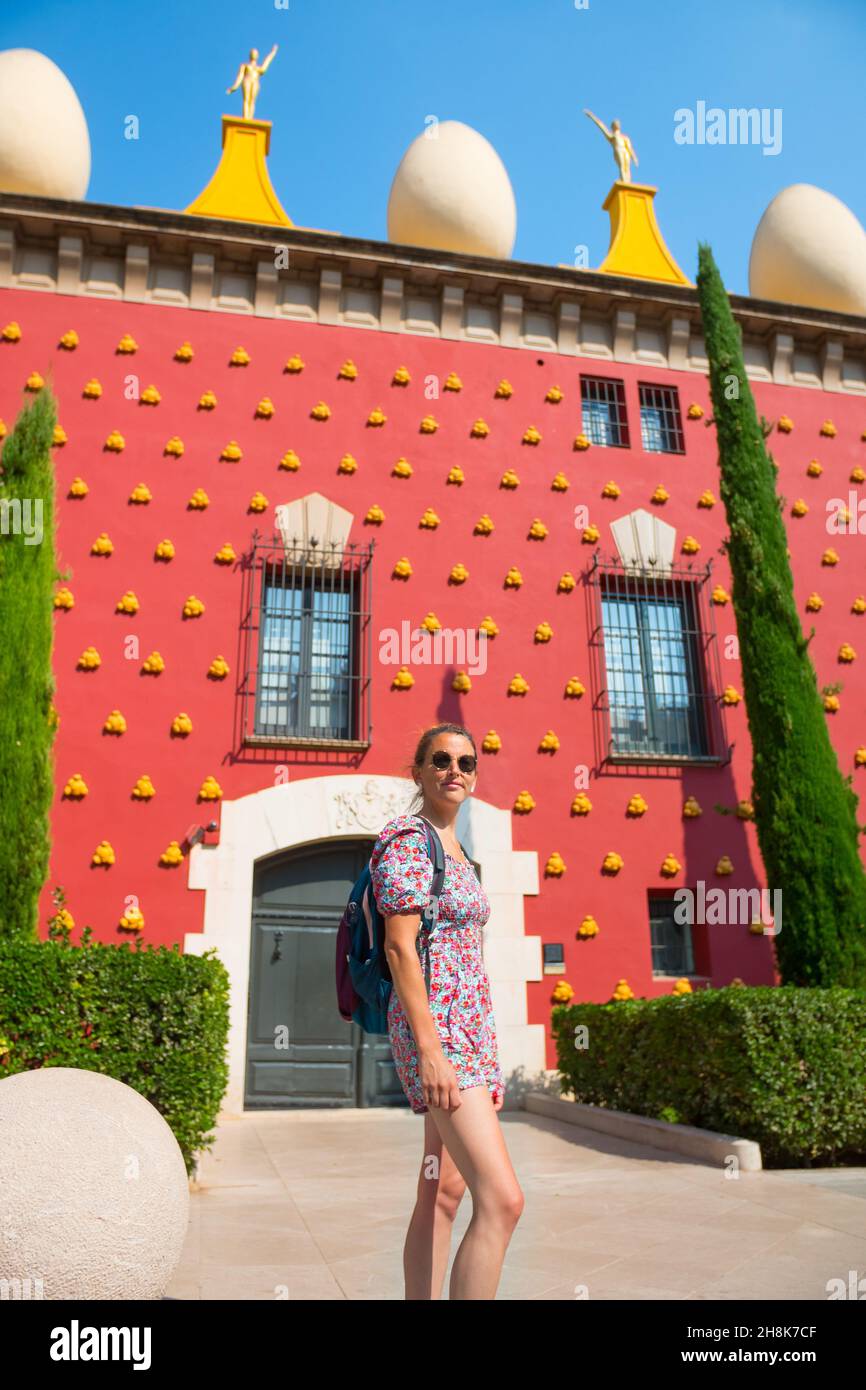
(353, 81)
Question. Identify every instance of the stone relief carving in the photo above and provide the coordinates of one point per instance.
(369, 808)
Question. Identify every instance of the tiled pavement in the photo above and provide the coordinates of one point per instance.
(314, 1204)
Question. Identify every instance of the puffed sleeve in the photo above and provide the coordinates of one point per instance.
(401, 870)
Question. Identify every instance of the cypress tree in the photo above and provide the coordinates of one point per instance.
(805, 811)
(27, 718)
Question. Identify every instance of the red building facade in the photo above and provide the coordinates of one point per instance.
(563, 494)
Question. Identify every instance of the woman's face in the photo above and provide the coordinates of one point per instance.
(448, 786)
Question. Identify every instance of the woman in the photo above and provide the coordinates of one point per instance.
(445, 1050)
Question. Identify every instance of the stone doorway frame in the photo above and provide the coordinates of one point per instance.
(311, 810)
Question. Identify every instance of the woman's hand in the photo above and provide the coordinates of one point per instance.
(438, 1081)
(498, 1099)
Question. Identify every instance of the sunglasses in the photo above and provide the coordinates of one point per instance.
(466, 762)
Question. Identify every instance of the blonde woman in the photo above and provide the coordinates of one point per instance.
(445, 1049)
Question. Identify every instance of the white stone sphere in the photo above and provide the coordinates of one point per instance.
(451, 191)
(44, 141)
(809, 248)
(94, 1194)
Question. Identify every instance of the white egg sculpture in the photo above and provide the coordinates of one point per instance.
(809, 248)
(452, 192)
(94, 1193)
(44, 141)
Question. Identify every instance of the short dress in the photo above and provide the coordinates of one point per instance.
(402, 875)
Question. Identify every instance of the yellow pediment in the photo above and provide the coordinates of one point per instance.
(240, 187)
(637, 247)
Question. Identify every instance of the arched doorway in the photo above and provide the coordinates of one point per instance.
(314, 814)
(300, 1052)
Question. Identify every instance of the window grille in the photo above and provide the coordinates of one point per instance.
(603, 414)
(655, 665)
(661, 426)
(308, 644)
(671, 941)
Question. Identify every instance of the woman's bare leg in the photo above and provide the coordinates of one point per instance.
(428, 1241)
(473, 1137)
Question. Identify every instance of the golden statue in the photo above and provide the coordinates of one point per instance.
(623, 149)
(249, 74)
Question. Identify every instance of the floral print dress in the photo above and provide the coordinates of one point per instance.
(402, 874)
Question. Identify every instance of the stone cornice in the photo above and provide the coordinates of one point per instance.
(162, 256)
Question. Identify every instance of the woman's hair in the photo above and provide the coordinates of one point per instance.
(423, 747)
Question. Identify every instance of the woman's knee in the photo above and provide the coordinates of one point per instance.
(503, 1203)
(441, 1185)
(443, 1195)
(518, 1203)
(449, 1196)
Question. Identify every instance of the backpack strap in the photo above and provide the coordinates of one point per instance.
(430, 915)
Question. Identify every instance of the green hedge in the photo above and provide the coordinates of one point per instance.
(148, 1016)
(783, 1066)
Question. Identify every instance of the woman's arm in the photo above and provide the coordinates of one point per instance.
(436, 1074)
(402, 956)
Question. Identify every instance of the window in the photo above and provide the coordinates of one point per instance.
(671, 941)
(661, 427)
(553, 958)
(304, 684)
(654, 662)
(652, 676)
(309, 631)
(603, 411)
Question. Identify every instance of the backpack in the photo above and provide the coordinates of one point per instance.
(364, 981)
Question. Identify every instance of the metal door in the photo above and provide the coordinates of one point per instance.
(300, 1052)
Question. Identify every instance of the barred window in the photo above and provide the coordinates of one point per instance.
(670, 940)
(307, 675)
(603, 414)
(660, 421)
(651, 665)
(655, 665)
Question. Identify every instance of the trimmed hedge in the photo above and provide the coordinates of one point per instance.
(784, 1066)
(148, 1016)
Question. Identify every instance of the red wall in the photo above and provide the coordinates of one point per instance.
(140, 831)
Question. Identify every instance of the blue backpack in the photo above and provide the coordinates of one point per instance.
(364, 981)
